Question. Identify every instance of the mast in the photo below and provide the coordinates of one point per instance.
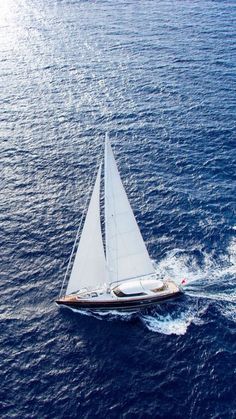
(106, 201)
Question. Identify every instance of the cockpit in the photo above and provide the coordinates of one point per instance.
(117, 291)
(138, 288)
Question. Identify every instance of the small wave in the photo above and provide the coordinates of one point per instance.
(228, 311)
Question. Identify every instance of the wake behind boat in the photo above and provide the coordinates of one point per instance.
(123, 277)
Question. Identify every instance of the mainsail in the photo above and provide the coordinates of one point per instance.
(89, 268)
(126, 253)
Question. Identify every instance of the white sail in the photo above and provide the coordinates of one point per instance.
(126, 253)
(89, 268)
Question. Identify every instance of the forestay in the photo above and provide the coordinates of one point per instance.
(89, 268)
(126, 253)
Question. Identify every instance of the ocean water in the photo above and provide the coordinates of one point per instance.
(159, 76)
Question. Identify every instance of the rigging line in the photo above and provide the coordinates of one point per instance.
(106, 203)
(80, 224)
(114, 218)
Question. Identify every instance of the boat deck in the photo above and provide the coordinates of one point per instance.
(101, 296)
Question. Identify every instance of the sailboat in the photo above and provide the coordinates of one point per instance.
(121, 276)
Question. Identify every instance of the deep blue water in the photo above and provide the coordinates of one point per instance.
(159, 76)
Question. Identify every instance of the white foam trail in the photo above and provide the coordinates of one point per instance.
(110, 315)
(230, 298)
(176, 323)
(167, 325)
(114, 314)
(178, 265)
